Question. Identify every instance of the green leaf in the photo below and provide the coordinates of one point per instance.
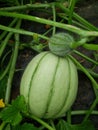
(25, 126)
(12, 113)
(62, 125)
(20, 104)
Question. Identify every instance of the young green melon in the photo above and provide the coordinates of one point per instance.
(49, 85)
(61, 43)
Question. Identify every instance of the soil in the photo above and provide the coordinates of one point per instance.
(85, 97)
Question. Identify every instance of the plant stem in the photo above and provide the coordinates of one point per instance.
(5, 32)
(71, 8)
(12, 68)
(54, 18)
(76, 44)
(41, 122)
(5, 71)
(20, 31)
(77, 17)
(94, 83)
(91, 46)
(4, 43)
(85, 57)
(82, 112)
(69, 116)
(91, 109)
(2, 125)
(52, 124)
(50, 22)
(75, 23)
(24, 7)
(85, 71)
(94, 74)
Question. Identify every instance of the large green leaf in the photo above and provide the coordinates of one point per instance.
(12, 113)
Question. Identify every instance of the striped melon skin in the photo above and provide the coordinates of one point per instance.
(61, 44)
(49, 85)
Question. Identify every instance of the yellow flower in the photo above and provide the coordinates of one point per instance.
(2, 104)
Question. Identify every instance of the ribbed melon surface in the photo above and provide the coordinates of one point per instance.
(49, 85)
(61, 44)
